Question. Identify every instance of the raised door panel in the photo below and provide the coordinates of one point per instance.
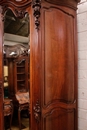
(59, 70)
(59, 56)
(59, 119)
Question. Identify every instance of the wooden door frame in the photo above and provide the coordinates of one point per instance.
(19, 11)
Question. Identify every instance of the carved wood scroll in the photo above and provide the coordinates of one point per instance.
(37, 111)
(19, 8)
(36, 6)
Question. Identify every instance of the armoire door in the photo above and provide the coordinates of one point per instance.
(59, 89)
(53, 62)
(54, 77)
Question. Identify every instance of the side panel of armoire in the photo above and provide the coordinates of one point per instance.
(1, 72)
(59, 67)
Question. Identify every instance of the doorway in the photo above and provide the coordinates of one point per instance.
(16, 66)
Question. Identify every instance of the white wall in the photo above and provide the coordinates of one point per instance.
(82, 64)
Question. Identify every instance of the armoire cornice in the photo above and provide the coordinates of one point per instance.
(25, 3)
(68, 3)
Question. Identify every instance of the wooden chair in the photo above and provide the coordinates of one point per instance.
(8, 110)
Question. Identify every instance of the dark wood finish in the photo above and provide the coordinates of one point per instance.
(59, 102)
(53, 63)
(56, 93)
(24, 106)
(22, 102)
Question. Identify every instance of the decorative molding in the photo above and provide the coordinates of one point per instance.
(20, 13)
(18, 7)
(37, 111)
(16, 3)
(20, 62)
(37, 6)
(68, 3)
(16, 51)
(57, 109)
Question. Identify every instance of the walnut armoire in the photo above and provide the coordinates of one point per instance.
(53, 62)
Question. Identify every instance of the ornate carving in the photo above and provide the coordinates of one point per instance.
(16, 3)
(1, 12)
(16, 51)
(20, 13)
(37, 6)
(18, 7)
(0, 88)
(37, 111)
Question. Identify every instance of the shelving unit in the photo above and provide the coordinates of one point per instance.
(21, 71)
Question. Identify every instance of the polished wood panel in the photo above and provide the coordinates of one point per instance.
(58, 119)
(59, 88)
(59, 56)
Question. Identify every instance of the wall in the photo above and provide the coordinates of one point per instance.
(82, 64)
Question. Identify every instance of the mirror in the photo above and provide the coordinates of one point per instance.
(16, 68)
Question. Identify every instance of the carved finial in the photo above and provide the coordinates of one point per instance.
(36, 6)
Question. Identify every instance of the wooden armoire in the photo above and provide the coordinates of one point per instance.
(53, 62)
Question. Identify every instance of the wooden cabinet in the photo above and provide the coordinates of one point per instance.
(53, 62)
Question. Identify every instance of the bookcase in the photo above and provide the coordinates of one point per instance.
(21, 74)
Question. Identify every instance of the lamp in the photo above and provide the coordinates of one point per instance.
(5, 76)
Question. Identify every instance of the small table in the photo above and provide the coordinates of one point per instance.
(22, 104)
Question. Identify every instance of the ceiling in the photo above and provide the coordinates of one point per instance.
(14, 26)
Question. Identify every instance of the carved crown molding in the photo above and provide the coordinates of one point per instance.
(16, 3)
(18, 7)
(68, 3)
